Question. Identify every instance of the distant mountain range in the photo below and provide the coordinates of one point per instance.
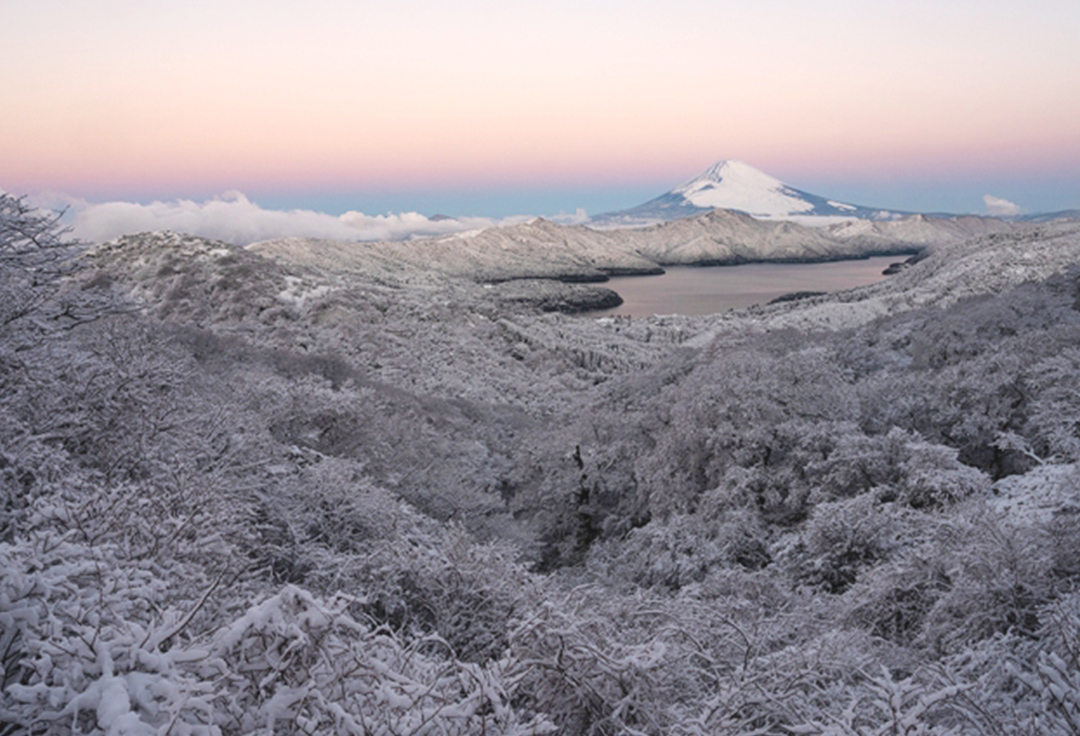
(1052, 216)
(734, 185)
(540, 249)
(732, 213)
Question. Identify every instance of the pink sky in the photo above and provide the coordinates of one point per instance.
(141, 100)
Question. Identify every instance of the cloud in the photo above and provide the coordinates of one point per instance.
(579, 217)
(235, 219)
(999, 207)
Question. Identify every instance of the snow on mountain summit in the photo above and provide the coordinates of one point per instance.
(734, 185)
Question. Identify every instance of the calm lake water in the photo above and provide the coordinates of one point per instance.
(710, 289)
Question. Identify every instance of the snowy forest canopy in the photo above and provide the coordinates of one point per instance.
(245, 495)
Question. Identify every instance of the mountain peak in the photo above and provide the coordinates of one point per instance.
(735, 185)
(738, 186)
(731, 167)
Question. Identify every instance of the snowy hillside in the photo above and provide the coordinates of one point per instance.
(723, 236)
(534, 249)
(919, 230)
(300, 492)
(540, 249)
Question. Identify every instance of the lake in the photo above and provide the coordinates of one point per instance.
(695, 290)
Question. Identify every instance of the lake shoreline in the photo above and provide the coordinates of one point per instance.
(696, 290)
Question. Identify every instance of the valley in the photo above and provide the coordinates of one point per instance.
(325, 485)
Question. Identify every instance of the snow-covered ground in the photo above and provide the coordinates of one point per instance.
(325, 487)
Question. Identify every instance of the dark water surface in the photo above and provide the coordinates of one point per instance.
(710, 289)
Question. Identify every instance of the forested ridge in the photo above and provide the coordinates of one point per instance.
(250, 496)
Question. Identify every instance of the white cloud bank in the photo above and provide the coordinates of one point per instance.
(235, 219)
(999, 207)
(580, 217)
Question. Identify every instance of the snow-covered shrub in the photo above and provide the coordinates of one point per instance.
(1054, 677)
(445, 584)
(670, 554)
(94, 644)
(768, 403)
(329, 528)
(1052, 424)
(858, 463)
(899, 466)
(683, 549)
(606, 662)
(999, 578)
(1055, 681)
(37, 259)
(843, 538)
(933, 477)
(963, 376)
(101, 642)
(884, 706)
(892, 601)
(594, 673)
(447, 458)
(319, 508)
(295, 664)
(954, 582)
(782, 687)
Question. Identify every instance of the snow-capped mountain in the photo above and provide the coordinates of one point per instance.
(735, 185)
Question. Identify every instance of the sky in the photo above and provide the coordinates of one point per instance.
(497, 108)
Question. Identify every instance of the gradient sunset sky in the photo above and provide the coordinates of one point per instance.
(493, 108)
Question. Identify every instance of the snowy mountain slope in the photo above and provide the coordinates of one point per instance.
(535, 249)
(206, 281)
(404, 325)
(720, 237)
(542, 249)
(1062, 215)
(737, 186)
(919, 230)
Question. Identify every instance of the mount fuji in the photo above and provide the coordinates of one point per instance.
(734, 185)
